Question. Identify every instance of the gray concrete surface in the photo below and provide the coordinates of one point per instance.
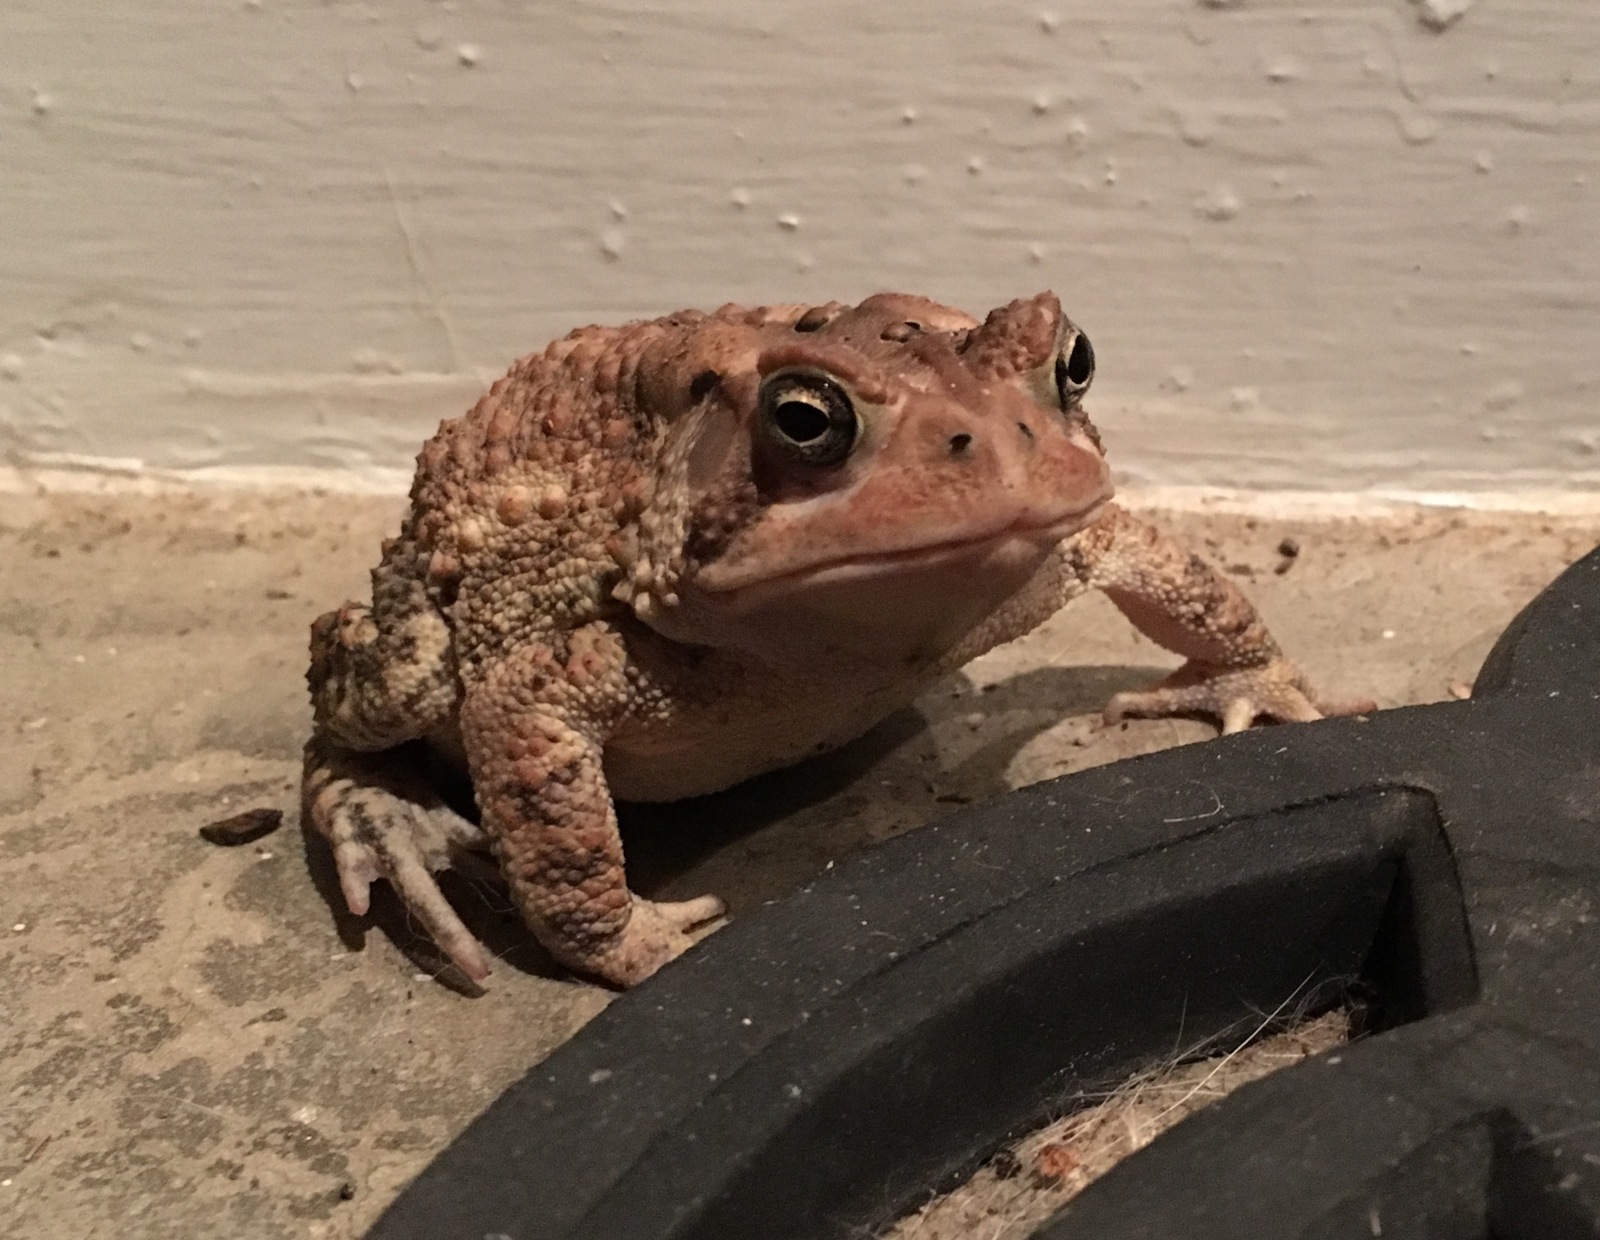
(192, 1044)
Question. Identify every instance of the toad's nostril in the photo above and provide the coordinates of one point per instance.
(1027, 431)
(702, 385)
(959, 444)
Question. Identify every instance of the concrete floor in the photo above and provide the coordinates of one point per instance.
(191, 1043)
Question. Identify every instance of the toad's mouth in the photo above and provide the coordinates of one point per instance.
(863, 567)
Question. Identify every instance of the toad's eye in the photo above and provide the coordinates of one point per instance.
(1074, 370)
(807, 419)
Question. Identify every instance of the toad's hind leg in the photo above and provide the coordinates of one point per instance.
(384, 819)
(380, 677)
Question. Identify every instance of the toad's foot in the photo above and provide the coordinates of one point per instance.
(378, 832)
(1237, 696)
(652, 935)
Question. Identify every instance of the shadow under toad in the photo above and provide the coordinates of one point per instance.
(759, 840)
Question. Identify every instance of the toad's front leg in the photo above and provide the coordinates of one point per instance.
(1235, 670)
(534, 722)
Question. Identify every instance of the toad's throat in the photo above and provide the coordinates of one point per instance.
(865, 566)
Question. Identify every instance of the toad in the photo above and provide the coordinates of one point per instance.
(657, 559)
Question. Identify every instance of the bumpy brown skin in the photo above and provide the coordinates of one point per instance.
(614, 579)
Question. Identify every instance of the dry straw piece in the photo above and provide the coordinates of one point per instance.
(1026, 1182)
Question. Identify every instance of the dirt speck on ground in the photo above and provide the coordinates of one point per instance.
(192, 1042)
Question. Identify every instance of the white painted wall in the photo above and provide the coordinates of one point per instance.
(1323, 245)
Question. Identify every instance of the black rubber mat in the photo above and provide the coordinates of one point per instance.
(817, 1068)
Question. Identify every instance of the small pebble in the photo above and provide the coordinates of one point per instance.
(242, 828)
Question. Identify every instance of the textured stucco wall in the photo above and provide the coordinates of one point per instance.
(1326, 244)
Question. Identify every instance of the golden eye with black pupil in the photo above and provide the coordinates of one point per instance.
(807, 419)
(1074, 370)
